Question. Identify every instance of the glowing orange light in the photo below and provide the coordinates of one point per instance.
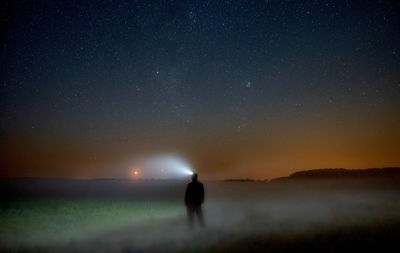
(135, 173)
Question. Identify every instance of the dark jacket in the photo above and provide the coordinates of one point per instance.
(194, 194)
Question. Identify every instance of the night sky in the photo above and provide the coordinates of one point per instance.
(239, 89)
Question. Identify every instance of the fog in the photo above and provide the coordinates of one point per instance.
(233, 211)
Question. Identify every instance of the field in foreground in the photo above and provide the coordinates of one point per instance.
(143, 216)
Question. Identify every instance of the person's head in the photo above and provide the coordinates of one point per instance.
(194, 177)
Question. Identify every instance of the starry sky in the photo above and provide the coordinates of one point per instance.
(239, 89)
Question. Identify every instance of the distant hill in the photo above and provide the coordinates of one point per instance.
(338, 173)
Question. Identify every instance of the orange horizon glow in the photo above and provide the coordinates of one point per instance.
(258, 154)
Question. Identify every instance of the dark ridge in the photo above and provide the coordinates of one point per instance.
(339, 173)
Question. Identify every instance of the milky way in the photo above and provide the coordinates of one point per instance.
(239, 88)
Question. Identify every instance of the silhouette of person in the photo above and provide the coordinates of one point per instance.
(194, 197)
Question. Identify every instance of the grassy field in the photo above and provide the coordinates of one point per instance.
(58, 221)
(117, 216)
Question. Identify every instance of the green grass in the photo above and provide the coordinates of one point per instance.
(59, 221)
(238, 220)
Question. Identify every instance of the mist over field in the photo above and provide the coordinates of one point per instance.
(149, 215)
